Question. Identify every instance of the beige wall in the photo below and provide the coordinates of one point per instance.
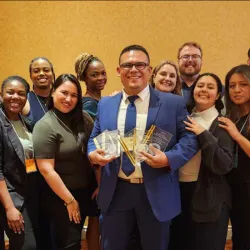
(62, 30)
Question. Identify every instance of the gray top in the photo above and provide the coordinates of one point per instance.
(25, 138)
(53, 140)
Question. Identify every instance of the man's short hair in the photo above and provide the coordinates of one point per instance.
(248, 53)
(193, 44)
(134, 47)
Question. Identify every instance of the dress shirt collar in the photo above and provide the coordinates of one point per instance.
(142, 95)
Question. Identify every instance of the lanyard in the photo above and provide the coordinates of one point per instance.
(24, 127)
(63, 123)
(237, 145)
(40, 103)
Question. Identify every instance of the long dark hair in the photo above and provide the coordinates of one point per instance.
(76, 115)
(218, 103)
(233, 110)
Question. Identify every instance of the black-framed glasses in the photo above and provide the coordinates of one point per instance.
(138, 65)
(194, 57)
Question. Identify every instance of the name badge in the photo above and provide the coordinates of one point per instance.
(30, 166)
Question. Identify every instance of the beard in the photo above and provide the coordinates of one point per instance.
(189, 73)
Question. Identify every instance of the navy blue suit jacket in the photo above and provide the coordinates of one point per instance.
(166, 111)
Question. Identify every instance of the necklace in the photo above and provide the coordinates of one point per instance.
(39, 101)
(24, 125)
(244, 124)
(24, 128)
(29, 155)
(237, 145)
(94, 97)
(63, 123)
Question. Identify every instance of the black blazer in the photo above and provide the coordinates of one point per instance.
(12, 161)
(212, 188)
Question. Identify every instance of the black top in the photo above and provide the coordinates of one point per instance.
(53, 140)
(37, 106)
(186, 91)
(212, 188)
(241, 174)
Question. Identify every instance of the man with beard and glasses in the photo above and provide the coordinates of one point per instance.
(190, 61)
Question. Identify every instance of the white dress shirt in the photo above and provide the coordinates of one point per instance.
(142, 104)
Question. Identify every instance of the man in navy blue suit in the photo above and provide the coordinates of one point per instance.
(147, 194)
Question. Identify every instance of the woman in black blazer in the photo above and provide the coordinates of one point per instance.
(18, 173)
(205, 192)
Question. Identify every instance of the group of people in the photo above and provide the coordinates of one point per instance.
(52, 176)
(48, 186)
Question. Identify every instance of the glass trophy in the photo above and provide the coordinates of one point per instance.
(128, 143)
(108, 141)
(155, 137)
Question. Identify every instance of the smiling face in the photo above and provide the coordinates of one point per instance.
(239, 90)
(166, 78)
(95, 76)
(190, 66)
(65, 97)
(41, 74)
(205, 93)
(14, 98)
(134, 80)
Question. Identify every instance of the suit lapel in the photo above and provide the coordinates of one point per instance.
(110, 122)
(29, 123)
(17, 146)
(154, 105)
(15, 142)
(114, 110)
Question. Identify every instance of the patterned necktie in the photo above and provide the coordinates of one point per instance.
(130, 123)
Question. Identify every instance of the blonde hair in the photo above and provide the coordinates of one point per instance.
(177, 89)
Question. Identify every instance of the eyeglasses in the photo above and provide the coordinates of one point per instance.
(194, 57)
(138, 65)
